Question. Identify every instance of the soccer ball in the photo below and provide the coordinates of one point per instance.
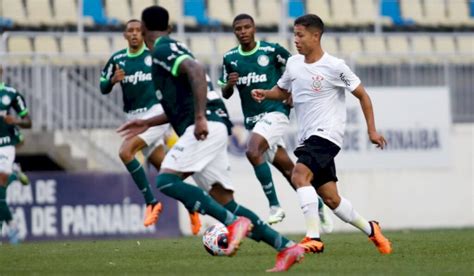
(215, 239)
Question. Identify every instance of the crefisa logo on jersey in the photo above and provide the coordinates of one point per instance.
(263, 60)
(317, 84)
(6, 100)
(148, 61)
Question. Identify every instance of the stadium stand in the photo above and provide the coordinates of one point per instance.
(39, 13)
(98, 45)
(137, 7)
(269, 13)
(14, 10)
(46, 44)
(245, 6)
(118, 9)
(321, 8)
(220, 10)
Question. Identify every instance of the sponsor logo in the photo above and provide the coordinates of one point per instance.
(344, 79)
(234, 63)
(263, 60)
(122, 63)
(139, 76)
(252, 77)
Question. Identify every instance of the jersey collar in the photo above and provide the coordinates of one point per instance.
(137, 53)
(251, 52)
(2, 85)
(157, 40)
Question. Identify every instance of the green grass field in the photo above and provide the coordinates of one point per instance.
(434, 252)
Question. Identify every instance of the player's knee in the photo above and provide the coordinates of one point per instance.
(332, 201)
(126, 155)
(254, 155)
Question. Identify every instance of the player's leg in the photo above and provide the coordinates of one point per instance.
(343, 209)
(282, 161)
(189, 156)
(265, 135)
(127, 153)
(6, 160)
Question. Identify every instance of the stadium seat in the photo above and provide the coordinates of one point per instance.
(342, 13)
(295, 8)
(95, 10)
(14, 10)
(46, 44)
(422, 46)
(137, 7)
(411, 10)
(72, 45)
(458, 13)
(176, 12)
(221, 11)
(329, 44)
(203, 48)
(99, 45)
(444, 44)
(118, 43)
(245, 6)
(465, 48)
(269, 12)
(224, 44)
(321, 8)
(19, 45)
(118, 9)
(39, 12)
(376, 46)
(350, 45)
(65, 12)
(435, 13)
(365, 12)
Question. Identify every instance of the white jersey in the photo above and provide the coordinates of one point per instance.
(318, 91)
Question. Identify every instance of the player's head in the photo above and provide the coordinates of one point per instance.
(244, 28)
(133, 33)
(155, 18)
(308, 30)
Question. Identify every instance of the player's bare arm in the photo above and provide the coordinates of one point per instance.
(197, 78)
(23, 122)
(119, 74)
(367, 109)
(134, 127)
(276, 93)
(228, 89)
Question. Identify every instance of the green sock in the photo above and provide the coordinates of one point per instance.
(320, 203)
(261, 231)
(5, 214)
(193, 198)
(139, 176)
(264, 175)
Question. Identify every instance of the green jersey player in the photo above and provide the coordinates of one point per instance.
(10, 98)
(259, 64)
(199, 117)
(131, 68)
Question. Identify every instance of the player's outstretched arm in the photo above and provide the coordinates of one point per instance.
(134, 127)
(276, 93)
(367, 109)
(23, 122)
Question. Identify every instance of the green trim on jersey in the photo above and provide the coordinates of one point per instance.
(23, 113)
(103, 79)
(2, 85)
(132, 55)
(174, 70)
(157, 40)
(251, 52)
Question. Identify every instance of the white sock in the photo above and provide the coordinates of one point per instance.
(346, 213)
(309, 204)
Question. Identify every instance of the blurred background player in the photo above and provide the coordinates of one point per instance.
(199, 117)
(321, 114)
(9, 99)
(259, 64)
(131, 67)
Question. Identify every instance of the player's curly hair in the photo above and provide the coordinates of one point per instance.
(241, 17)
(155, 18)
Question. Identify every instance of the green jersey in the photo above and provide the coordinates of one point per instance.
(137, 86)
(10, 98)
(177, 96)
(259, 68)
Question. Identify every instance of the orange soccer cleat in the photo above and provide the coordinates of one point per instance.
(152, 213)
(195, 222)
(382, 243)
(240, 228)
(287, 258)
(312, 245)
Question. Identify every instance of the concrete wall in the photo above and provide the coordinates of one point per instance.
(398, 198)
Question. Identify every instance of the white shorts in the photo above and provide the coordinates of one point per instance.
(154, 136)
(207, 159)
(272, 127)
(7, 157)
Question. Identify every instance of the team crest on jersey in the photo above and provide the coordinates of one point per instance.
(317, 83)
(6, 100)
(263, 60)
(148, 61)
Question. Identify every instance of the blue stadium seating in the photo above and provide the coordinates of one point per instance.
(95, 9)
(471, 7)
(295, 8)
(5, 22)
(391, 8)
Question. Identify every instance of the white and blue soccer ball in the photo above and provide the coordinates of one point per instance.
(215, 239)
